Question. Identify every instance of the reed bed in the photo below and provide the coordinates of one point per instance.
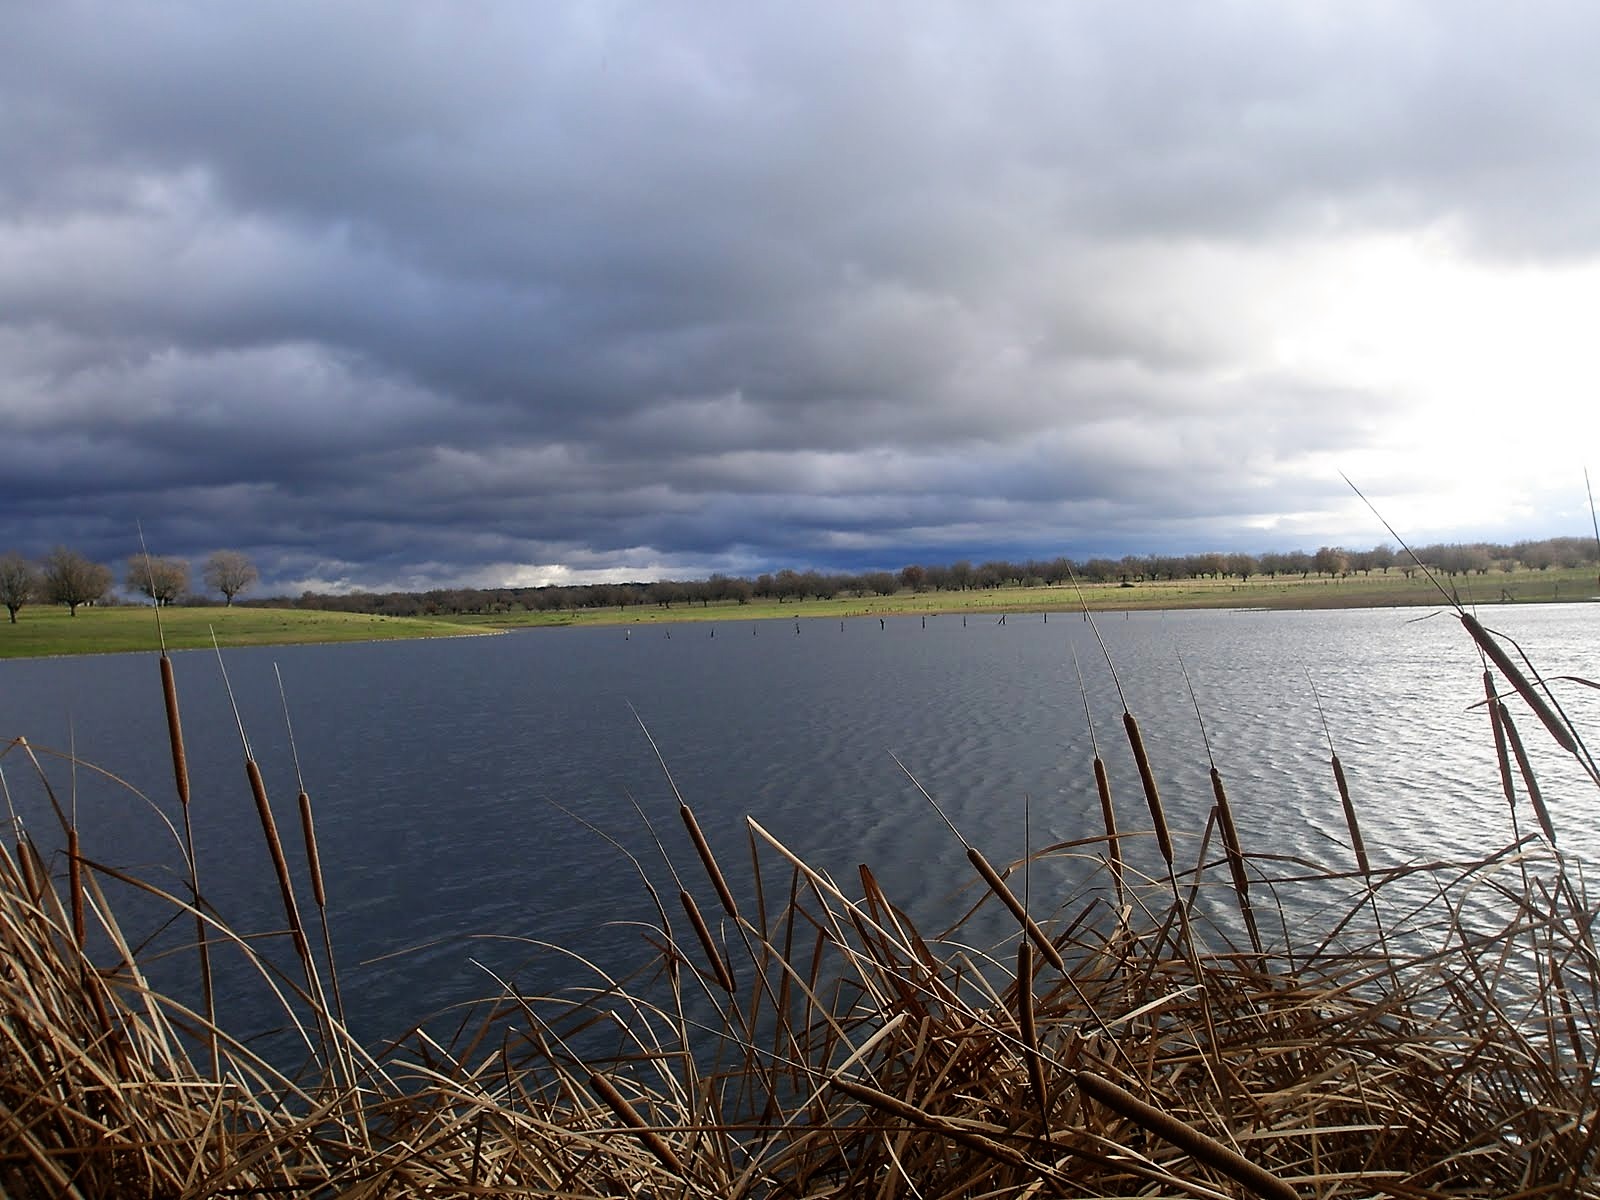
(1229, 1023)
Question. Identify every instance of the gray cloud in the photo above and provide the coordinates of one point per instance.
(404, 293)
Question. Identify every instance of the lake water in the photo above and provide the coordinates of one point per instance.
(446, 774)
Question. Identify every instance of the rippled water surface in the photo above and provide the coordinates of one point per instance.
(456, 782)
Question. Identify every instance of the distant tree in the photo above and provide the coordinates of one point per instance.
(71, 579)
(1331, 560)
(913, 577)
(1243, 565)
(19, 583)
(229, 572)
(882, 582)
(162, 579)
(1383, 556)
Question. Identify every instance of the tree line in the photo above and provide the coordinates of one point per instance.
(65, 576)
(1447, 559)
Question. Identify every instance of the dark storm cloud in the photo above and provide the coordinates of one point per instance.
(412, 293)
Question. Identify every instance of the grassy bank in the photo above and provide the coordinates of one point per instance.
(1165, 1033)
(51, 630)
(1357, 591)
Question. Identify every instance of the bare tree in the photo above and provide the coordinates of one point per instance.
(162, 579)
(71, 579)
(229, 572)
(19, 583)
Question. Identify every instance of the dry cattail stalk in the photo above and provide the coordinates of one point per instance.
(1357, 843)
(648, 1137)
(80, 933)
(1235, 855)
(180, 780)
(718, 966)
(280, 864)
(1487, 643)
(708, 860)
(308, 832)
(1029, 925)
(1199, 1145)
(1108, 814)
(1030, 1033)
(180, 762)
(1529, 780)
(1152, 795)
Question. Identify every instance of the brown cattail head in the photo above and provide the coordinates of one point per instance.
(1557, 727)
(718, 967)
(1200, 1145)
(1147, 777)
(33, 875)
(1501, 756)
(629, 1116)
(1529, 780)
(708, 860)
(75, 882)
(1350, 821)
(1235, 855)
(280, 864)
(180, 764)
(1108, 814)
(1029, 925)
(308, 830)
(1030, 1033)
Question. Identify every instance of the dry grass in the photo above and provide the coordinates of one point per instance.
(1144, 1037)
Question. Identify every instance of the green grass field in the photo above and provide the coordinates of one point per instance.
(1375, 591)
(46, 629)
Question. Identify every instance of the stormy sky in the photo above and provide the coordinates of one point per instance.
(406, 295)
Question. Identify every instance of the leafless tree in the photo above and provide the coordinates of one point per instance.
(162, 579)
(71, 579)
(19, 583)
(229, 572)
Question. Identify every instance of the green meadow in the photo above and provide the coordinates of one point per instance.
(1355, 591)
(46, 629)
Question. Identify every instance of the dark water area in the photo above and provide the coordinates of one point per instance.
(449, 777)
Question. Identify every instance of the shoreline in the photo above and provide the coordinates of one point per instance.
(50, 633)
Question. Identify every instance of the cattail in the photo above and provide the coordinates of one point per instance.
(1151, 794)
(280, 864)
(708, 860)
(718, 967)
(1502, 757)
(1529, 780)
(1029, 925)
(1235, 856)
(948, 1130)
(180, 780)
(75, 883)
(629, 1116)
(1030, 1033)
(33, 875)
(1557, 727)
(1356, 842)
(1195, 1143)
(308, 831)
(1108, 813)
(180, 763)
